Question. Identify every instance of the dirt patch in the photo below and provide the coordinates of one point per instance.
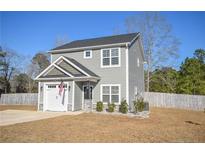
(18, 107)
(164, 125)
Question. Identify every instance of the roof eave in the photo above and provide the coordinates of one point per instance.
(87, 47)
(92, 78)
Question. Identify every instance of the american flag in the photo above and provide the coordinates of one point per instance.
(61, 88)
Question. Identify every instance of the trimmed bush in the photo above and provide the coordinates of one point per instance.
(111, 107)
(99, 106)
(123, 107)
(139, 105)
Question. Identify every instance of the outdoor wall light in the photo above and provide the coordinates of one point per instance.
(69, 88)
(41, 88)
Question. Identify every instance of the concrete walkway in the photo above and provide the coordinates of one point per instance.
(9, 117)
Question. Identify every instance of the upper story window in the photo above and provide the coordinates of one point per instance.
(87, 54)
(110, 57)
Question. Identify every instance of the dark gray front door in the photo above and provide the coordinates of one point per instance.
(87, 90)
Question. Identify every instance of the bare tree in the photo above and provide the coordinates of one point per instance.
(32, 72)
(160, 45)
(116, 30)
(38, 63)
(10, 66)
(60, 40)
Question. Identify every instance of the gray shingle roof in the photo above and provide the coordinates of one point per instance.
(82, 67)
(99, 41)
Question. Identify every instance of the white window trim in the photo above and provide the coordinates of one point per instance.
(109, 66)
(91, 55)
(110, 85)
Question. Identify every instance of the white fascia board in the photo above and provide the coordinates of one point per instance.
(71, 78)
(134, 39)
(88, 47)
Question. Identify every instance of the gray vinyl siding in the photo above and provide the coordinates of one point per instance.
(54, 73)
(136, 74)
(78, 96)
(112, 75)
(70, 69)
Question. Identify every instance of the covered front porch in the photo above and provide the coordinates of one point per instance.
(66, 85)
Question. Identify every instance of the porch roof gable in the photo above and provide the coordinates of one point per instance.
(68, 68)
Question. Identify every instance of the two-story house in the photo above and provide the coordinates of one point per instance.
(82, 72)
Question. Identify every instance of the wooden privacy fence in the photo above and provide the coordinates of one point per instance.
(181, 101)
(190, 102)
(19, 98)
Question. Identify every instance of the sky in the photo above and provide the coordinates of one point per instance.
(30, 32)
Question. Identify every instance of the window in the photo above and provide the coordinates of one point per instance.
(51, 86)
(88, 54)
(87, 92)
(110, 93)
(138, 62)
(110, 57)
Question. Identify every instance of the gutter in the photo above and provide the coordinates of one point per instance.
(87, 47)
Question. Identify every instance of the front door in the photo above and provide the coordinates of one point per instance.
(87, 95)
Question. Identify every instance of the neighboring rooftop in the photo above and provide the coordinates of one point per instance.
(98, 41)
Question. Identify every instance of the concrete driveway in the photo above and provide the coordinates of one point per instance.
(9, 117)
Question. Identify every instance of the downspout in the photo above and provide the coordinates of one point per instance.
(127, 73)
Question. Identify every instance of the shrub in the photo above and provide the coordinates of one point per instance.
(139, 105)
(111, 107)
(99, 106)
(123, 107)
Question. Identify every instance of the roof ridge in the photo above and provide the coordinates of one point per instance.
(127, 37)
(105, 36)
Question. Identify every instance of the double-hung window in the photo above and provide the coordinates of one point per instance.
(110, 57)
(110, 93)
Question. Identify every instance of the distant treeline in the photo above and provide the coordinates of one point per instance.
(189, 79)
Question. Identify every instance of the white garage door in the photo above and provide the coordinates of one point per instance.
(54, 100)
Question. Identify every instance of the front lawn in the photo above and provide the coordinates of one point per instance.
(18, 107)
(164, 125)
